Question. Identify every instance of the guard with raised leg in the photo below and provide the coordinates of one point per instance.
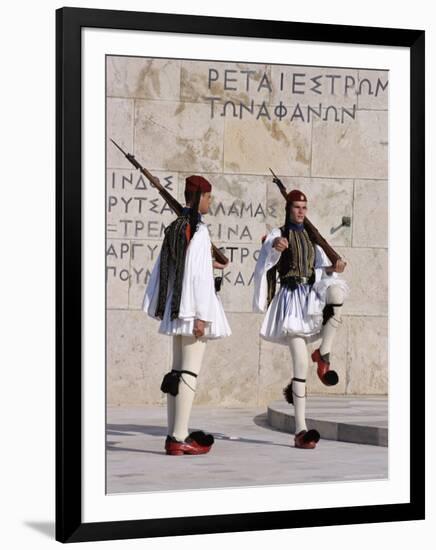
(308, 302)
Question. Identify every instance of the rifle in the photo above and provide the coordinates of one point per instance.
(168, 198)
(312, 231)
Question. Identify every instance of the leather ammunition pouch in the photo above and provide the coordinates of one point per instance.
(218, 282)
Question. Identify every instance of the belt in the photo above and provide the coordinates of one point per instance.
(293, 281)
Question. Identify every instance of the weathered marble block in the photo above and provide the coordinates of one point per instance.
(367, 276)
(368, 355)
(143, 78)
(229, 375)
(119, 124)
(136, 210)
(237, 286)
(238, 210)
(236, 82)
(294, 84)
(137, 359)
(117, 273)
(177, 136)
(370, 224)
(252, 146)
(375, 89)
(158, 110)
(328, 201)
(355, 149)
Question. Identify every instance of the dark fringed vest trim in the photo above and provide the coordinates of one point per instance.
(271, 278)
(172, 259)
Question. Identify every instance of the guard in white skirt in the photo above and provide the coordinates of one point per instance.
(308, 303)
(181, 294)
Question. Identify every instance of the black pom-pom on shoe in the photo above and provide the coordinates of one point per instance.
(202, 438)
(330, 378)
(288, 395)
(311, 435)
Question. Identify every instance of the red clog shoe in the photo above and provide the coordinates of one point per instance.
(328, 377)
(187, 447)
(306, 439)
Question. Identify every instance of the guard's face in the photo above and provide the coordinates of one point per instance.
(205, 200)
(298, 211)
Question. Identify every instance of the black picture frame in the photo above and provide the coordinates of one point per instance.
(69, 22)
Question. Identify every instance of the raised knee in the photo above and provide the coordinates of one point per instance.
(335, 295)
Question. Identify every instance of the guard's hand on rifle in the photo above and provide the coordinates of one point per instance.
(198, 331)
(217, 265)
(339, 267)
(280, 244)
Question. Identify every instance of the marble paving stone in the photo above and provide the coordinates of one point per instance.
(383, 438)
(251, 146)
(142, 77)
(358, 434)
(119, 124)
(137, 358)
(136, 210)
(229, 372)
(355, 149)
(328, 201)
(247, 452)
(237, 82)
(367, 276)
(117, 273)
(368, 355)
(331, 86)
(178, 136)
(370, 223)
(347, 426)
(374, 87)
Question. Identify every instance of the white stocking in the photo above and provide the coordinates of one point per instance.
(335, 295)
(298, 348)
(177, 365)
(192, 351)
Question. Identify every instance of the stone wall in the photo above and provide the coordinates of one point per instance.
(322, 130)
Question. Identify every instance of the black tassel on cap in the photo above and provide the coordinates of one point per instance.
(193, 214)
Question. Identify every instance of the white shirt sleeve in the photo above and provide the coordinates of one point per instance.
(151, 295)
(321, 262)
(198, 290)
(268, 257)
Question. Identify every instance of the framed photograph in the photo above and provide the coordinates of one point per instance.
(239, 327)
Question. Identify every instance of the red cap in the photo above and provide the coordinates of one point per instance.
(296, 195)
(195, 183)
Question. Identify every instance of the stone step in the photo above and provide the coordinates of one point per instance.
(350, 419)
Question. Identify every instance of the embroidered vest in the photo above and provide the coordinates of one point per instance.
(298, 260)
